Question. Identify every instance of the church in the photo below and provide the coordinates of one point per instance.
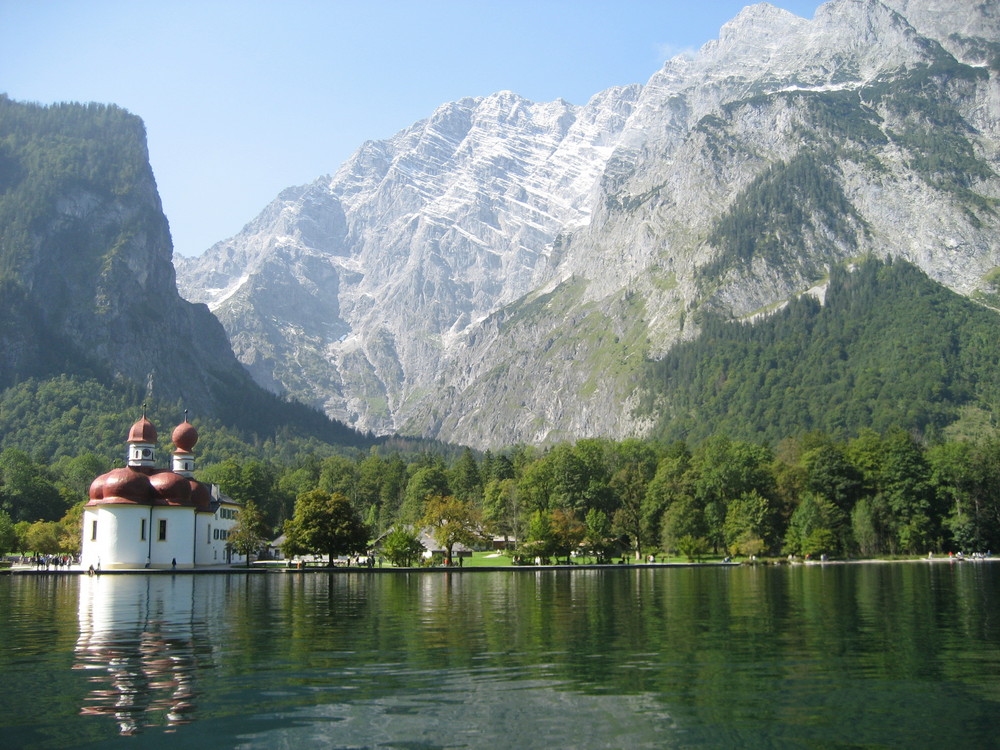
(140, 516)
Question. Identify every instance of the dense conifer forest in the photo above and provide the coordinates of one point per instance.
(888, 348)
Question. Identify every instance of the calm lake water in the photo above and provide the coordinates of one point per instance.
(838, 656)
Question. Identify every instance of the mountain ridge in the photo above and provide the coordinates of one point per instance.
(454, 288)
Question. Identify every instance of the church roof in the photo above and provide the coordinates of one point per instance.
(156, 487)
(142, 432)
(144, 485)
(124, 486)
(184, 437)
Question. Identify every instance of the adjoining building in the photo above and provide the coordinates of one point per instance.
(143, 517)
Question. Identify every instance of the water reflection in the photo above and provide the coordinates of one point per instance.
(474, 710)
(139, 644)
(770, 657)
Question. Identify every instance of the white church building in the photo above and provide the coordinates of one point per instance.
(143, 517)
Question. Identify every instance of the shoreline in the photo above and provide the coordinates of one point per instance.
(275, 569)
(285, 570)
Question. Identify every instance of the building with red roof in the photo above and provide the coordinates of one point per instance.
(139, 516)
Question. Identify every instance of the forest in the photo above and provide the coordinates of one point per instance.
(872, 495)
(887, 348)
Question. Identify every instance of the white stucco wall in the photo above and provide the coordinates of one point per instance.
(203, 539)
(118, 541)
(212, 536)
(180, 541)
(192, 539)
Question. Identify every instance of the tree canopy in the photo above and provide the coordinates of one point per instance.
(251, 532)
(324, 524)
(453, 521)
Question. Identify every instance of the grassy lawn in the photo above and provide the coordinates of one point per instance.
(495, 559)
(492, 559)
(487, 560)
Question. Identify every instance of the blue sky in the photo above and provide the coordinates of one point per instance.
(242, 99)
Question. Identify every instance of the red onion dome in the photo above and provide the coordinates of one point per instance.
(96, 491)
(120, 486)
(185, 436)
(171, 488)
(142, 432)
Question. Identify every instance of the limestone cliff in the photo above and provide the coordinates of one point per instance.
(498, 272)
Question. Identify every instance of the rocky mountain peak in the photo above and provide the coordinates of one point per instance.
(760, 26)
(968, 29)
(500, 270)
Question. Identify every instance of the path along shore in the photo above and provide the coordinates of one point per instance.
(30, 569)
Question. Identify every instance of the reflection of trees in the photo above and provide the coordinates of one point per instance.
(710, 649)
(140, 649)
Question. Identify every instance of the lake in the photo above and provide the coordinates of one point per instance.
(894, 655)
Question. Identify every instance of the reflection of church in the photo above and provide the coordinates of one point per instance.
(141, 645)
(143, 517)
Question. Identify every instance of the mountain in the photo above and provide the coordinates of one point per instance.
(87, 287)
(352, 292)
(504, 270)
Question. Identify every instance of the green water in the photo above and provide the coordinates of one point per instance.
(839, 656)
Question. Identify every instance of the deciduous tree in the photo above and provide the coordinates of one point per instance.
(8, 537)
(401, 546)
(683, 519)
(817, 527)
(26, 492)
(637, 466)
(597, 538)
(452, 521)
(567, 532)
(324, 524)
(43, 538)
(250, 533)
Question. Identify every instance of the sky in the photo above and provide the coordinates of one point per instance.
(243, 99)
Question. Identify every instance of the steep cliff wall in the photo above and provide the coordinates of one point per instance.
(86, 280)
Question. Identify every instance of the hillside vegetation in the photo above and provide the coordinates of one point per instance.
(889, 348)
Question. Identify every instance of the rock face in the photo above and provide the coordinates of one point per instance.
(352, 292)
(87, 258)
(498, 272)
(86, 280)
